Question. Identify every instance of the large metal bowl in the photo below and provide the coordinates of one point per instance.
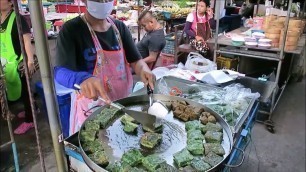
(115, 141)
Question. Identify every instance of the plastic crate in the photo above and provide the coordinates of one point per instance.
(64, 103)
(66, 8)
(227, 63)
(170, 45)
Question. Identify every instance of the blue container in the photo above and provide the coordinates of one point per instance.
(64, 103)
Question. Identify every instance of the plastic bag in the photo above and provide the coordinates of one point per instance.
(196, 62)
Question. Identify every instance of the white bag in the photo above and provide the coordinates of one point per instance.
(196, 62)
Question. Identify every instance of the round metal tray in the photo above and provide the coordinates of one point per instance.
(115, 141)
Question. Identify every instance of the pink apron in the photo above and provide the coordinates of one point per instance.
(196, 20)
(113, 70)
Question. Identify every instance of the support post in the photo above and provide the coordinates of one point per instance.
(43, 55)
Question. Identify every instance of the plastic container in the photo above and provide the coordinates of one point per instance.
(251, 44)
(237, 41)
(64, 103)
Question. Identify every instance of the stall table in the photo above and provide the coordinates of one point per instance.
(225, 46)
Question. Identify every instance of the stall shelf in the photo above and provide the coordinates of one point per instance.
(223, 45)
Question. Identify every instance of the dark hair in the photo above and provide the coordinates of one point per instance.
(144, 13)
(207, 2)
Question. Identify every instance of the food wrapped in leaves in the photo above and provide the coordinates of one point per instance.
(213, 137)
(152, 162)
(150, 140)
(212, 159)
(183, 158)
(92, 146)
(164, 167)
(212, 127)
(107, 116)
(132, 157)
(130, 127)
(199, 165)
(127, 118)
(88, 136)
(92, 125)
(193, 125)
(195, 147)
(158, 129)
(99, 158)
(195, 135)
(118, 167)
(214, 147)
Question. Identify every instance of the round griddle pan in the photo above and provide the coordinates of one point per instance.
(115, 141)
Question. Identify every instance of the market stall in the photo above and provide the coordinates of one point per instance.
(229, 108)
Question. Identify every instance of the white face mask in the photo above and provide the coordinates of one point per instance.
(100, 10)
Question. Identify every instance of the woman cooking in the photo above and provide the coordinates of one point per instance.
(96, 52)
(199, 24)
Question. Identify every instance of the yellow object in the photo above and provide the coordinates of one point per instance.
(227, 63)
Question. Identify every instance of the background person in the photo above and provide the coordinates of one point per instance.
(11, 54)
(154, 41)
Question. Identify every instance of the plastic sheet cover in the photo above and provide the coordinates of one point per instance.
(231, 102)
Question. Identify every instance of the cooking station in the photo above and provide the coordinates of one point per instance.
(240, 125)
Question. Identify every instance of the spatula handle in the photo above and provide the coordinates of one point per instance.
(100, 98)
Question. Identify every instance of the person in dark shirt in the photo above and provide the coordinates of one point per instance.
(154, 41)
(11, 57)
(96, 52)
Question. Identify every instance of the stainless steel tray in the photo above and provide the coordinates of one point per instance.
(115, 141)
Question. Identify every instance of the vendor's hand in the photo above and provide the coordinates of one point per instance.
(92, 88)
(31, 68)
(199, 38)
(147, 77)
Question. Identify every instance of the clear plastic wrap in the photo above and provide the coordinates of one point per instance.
(230, 102)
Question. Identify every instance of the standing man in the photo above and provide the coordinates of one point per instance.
(96, 52)
(154, 41)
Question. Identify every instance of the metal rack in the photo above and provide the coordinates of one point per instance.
(277, 55)
(5, 112)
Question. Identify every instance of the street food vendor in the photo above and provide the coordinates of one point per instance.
(11, 58)
(199, 24)
(96, 52)
(151, 45)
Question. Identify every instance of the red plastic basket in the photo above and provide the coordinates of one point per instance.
(66, 8)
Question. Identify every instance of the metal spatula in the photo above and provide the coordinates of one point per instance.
(143, 118)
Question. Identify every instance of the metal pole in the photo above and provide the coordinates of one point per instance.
(217, 12)
(25, 60)
(43, 55)
(282, 52)
(5, 109)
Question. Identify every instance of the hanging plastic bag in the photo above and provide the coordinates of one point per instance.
(196, 62)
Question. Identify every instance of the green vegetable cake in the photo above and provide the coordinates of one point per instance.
(150, 140)
(195, 147)
(100, 158)
(193, 125)
(199, 165)
(152, 162)
(215, 148)
(213, 137)
(212, 159)
(132, 157)
(183, 158)
(130, 127)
